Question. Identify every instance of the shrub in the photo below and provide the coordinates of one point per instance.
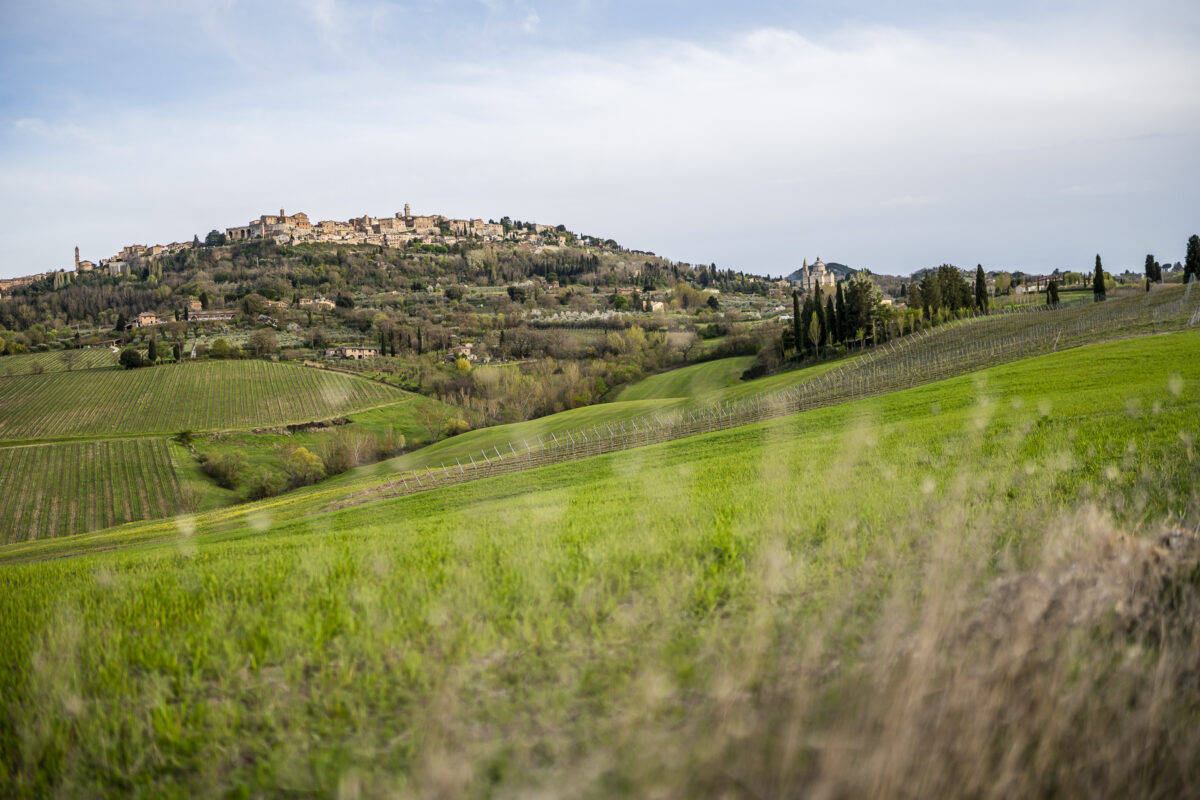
(131, 358)
(456, 426)
(219, 349)
(264, 483)
(226, 468)
(304, 466)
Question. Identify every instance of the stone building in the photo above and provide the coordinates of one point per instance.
(270, 225)
(352, 352)
(818, 275)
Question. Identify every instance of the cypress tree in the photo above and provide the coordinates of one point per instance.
(1191, 264)
(831, 318)
(806, 316)
(980, 288)
(841, 313)
(152, 351)
(1098, 281)
(819, 310)
(1052, 293)
(1149, 270)
(797, 332)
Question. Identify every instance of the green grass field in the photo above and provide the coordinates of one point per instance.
(595, 628)
(207, 395)
(689, 381)
(60, 489)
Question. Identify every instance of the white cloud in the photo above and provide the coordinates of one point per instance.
(875, 146)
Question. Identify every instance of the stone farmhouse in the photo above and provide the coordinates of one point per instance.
(463, 351)
(146, 319)
(352, 352)
(317, 304)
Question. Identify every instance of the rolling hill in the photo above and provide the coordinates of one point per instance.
(518, 626)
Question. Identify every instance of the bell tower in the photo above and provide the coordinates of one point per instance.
(407, 212)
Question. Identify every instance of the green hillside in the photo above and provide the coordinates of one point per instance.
(201, 396)
(689, 381)
(647, 618)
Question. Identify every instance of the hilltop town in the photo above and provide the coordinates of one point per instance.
(402, 229)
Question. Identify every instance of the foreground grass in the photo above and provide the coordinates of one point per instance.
(690, 618)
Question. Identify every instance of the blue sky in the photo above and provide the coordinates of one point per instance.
(894, 136)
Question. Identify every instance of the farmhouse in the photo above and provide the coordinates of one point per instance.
(144, 320)
(195, 305)
(462, 350)
(352, 352)
(318, 304)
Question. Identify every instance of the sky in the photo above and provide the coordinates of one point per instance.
(892, 136)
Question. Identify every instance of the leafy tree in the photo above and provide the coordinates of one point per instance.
(263, 341)
(220, 349)
(1098, 293)
(264, 483)
(980, 288)
(862, 302)
(304, 466)
(915, 301)
(214, 239)
(814, 331)
(226, 468)
(1191, 263)
(931, 294)
(130, 358)
(713, 302)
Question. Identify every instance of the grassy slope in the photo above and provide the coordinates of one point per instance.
(201, 396)
(689, 381)
(513, 626)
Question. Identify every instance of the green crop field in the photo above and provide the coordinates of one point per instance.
(689, 381)
(60, 489)
(201, 396)
(57, 361)
(689, 618)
